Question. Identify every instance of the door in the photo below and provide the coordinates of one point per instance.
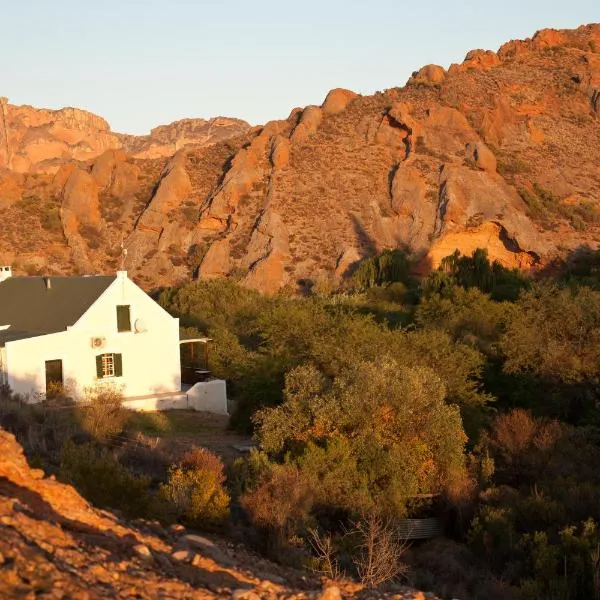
(54, 378)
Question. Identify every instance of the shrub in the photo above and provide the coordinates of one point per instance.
(280, 507)
(99, 477)
(388, 267)
(555, 334)
(50, 219)
(92, 235)
(379, 551)
(194, 491)
(380, 425)
(477, 271)
(102, 415)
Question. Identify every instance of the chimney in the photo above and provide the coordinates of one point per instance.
(5, 273)
(48, 283)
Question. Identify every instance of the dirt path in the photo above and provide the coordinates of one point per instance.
(182, 429)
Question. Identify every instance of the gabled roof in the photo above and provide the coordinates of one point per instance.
(32, 307)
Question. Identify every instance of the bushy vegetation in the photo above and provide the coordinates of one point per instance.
(544, 206)
(350, 402)
(99, 476)
(101, 414)
(471, 395)
(194, 490)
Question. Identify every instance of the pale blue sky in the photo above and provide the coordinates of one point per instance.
(141, 63)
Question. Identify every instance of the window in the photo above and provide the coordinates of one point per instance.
(109, 365)
(123, 318)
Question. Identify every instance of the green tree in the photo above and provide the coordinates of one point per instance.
(387, 425)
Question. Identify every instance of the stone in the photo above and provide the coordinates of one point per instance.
(182, 555)
(216, 262)
(143, 552)
(207, 548)
(331, 593)
(280, 155)
(481, 59)
(429, 74)
(245, 595)
(337, 100)
(308, 124)
(197, 541)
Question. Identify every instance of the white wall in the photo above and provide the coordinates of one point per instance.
(155, 403)
(151, 361)
(209, 396)
(3, 373)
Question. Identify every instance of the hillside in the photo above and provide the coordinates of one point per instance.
(501, 151)
(53, 544)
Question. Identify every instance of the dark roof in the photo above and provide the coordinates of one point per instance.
(31, 307)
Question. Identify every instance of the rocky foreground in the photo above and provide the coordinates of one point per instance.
(53, 544)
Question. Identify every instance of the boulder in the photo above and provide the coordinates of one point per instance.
(267, 254)
(415, 214)
(429, 74)
(481, 59)
(216, 261)
(470, 198)
(104, 166)
(337, 100)
(446, 130)
(308, 124)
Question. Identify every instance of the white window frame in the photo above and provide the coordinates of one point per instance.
(108, 365)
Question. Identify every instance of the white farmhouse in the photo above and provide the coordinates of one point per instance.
(81, 332)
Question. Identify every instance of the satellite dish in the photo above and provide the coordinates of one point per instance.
(140, 326)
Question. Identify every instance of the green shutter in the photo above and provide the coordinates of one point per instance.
(123, 318)
(99, 366)
(118, 358)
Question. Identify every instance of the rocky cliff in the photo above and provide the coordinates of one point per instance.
(34, 140)
(501, 151)
(54, 545)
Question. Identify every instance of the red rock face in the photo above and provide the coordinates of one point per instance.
(440, 164)
(38, 140)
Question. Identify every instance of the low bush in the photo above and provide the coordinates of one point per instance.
(195, 492)
(102, 414)
(99, 476)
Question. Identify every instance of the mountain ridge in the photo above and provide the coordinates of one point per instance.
(500, 151)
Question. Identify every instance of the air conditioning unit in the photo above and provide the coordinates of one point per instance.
(98, 342)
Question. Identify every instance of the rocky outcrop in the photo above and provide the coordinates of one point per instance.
(337, 100)
(491, 236)
(165, 140)
(41, 139)
(482, 156)
(268, 254)
(80, 216)
(308, 124)
(469, 199)
(440, 164)
(429, 74)
(172, 190)
(415, 213)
